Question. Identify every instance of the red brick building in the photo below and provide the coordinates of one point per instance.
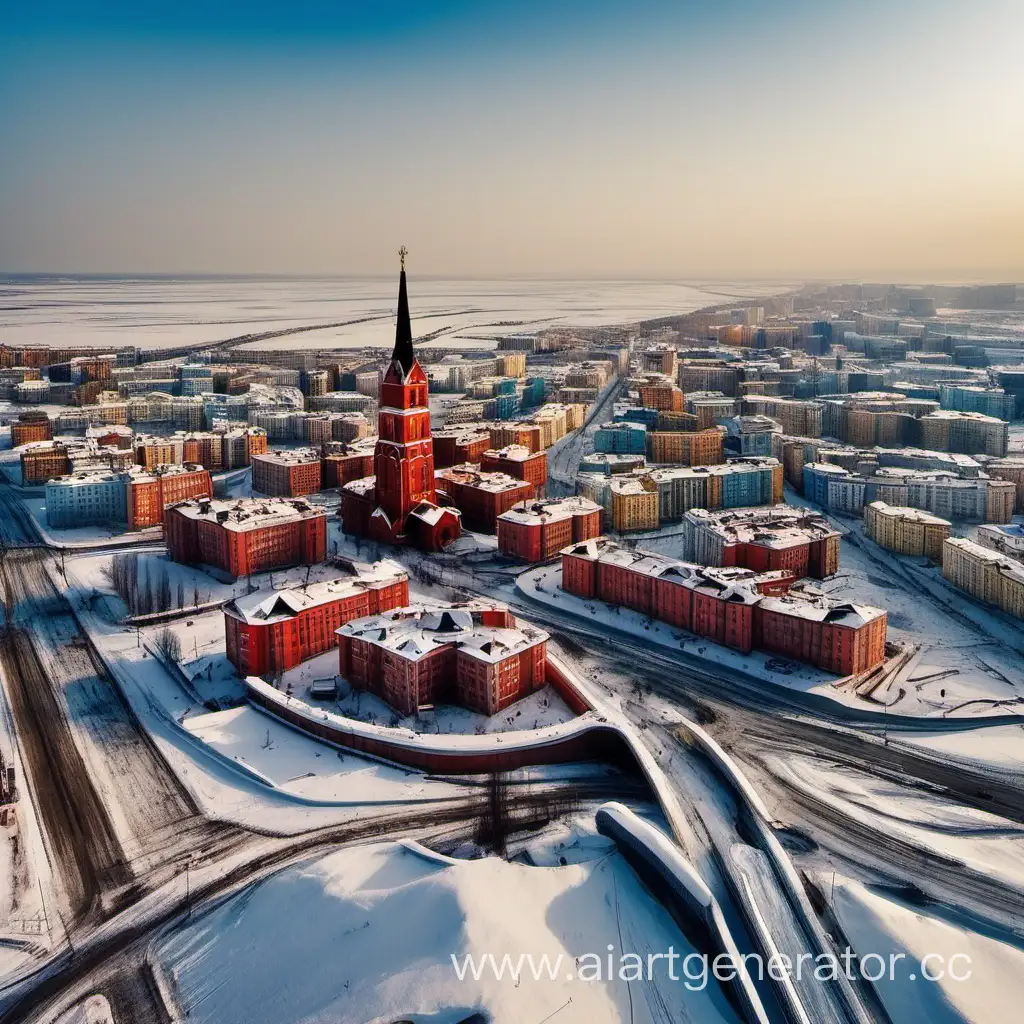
(518, 461)
(85, 369)
(666, 397)
(733, 606)
(472, 654)
(843, 638)
(31, 426)
(685, 448)
(763, 538)
(529, 435)
(270, 633)
(454, 446)
(44, 461)
(292, 473)
(247, 535)
(482, 497)
(150, 492)
(398, 504)
(207, 449)
(538, 530)
(111, 435)
(341, 462)
(87, 393)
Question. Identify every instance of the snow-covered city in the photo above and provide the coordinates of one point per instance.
(326, 669)
(512, 513)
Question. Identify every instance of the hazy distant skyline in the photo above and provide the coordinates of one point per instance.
(721, 139)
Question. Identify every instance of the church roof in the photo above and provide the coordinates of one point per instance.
(403, 353)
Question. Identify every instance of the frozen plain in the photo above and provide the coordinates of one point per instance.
(162, 312)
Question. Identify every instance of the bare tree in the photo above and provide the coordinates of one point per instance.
(143, 600)
(163, 597)
(168, 644)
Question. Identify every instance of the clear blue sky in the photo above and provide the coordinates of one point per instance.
(730, 137)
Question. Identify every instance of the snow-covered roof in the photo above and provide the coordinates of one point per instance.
(750, 464)
(529, 513)
(732, 583)
(261, 608)
(289, 456)
(955, 414)
(360, 448)
(467, 475)
(914, 515)
(773, 526)
(432, 514)
(625, 425)
(362, 487)
(418, 630)
(462, 434)
(822, 609)
(138, 475)
(612, 459)
(85, 479)
(1005, 529)
(249, 513)
(968, 547)
(513, 453)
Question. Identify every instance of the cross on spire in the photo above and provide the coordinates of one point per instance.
(402, 253)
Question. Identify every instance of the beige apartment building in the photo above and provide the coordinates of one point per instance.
(907, 531)
(634, 504)
(984, 574)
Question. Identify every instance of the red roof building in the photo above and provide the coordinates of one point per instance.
(246, 535)
(472, 654)
(455, 445)
(482, 497)
(151, 491)
(342, 462)
(518, 461)
(31, 426)
(538, 530)
(733, 606)
(762, 539)
(290, 473)
(839, 637)
(271, 633)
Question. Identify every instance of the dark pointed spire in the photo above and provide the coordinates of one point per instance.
(403, 328)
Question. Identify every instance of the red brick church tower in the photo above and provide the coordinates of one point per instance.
(398, 504)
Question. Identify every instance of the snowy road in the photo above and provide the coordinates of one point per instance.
(809, 1000)
(564, 456)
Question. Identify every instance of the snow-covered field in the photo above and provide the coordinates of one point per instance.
(159, 312)
(993, 989)
(300, 765)
(963, 834)
(378, 925)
